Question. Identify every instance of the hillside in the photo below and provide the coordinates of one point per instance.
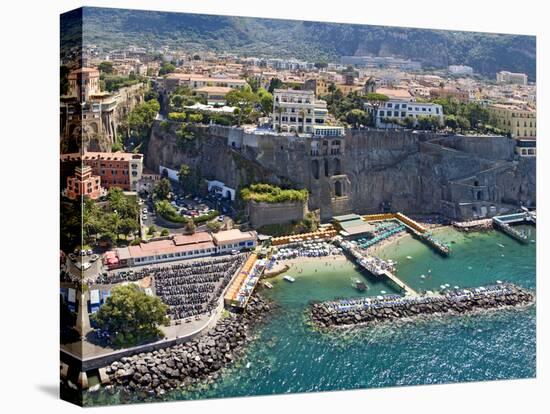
(314, 41)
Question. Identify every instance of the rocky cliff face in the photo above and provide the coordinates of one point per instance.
(365, 171)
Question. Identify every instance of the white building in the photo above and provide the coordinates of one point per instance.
(461, 70)
(510, 77)
(297, 111)
(217, 187)
(401, 110)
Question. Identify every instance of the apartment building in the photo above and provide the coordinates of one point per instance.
(401, 110)
(297, 110)
(511, 77)
(520, 121)
(116, 169)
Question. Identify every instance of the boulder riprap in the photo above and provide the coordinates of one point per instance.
(383, 308)
(200, 359)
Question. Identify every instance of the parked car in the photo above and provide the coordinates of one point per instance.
(234, 252)
(220, 219)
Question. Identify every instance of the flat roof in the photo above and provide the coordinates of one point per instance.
(103, 156)
(346, 217)
(234, 235)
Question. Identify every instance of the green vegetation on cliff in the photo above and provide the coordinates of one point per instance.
(268, 193)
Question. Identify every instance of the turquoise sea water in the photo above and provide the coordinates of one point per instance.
(289, 356)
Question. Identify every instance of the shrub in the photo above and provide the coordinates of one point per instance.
(268, 193)
(206, 217)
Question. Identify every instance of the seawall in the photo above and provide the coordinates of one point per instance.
(392, 307)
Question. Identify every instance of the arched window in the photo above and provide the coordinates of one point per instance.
(337, 167)
(338, 189)
(327, 172)
(315, 169)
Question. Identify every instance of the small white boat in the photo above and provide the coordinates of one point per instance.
(409, 257)
(456, 287)
(499, 281)
(501, 245)
(422, 276)
(289, 278)
(383, 292)
(268, 285)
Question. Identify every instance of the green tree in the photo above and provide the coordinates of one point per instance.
(274, 83)
(164, 232)
(195, 118)
(128, 226)
(166, 68)
(130, 316)
(214, 226)
(106, 67)
(357, 117)
(183, 176)
(162, 189)
(177, 116)
(266, 101)
(428, 123)
(190, 227)
(242, 99)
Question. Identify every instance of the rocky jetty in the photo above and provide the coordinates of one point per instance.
(390, 307)
(199, 360)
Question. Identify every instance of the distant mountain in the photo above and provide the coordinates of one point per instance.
(313, 41)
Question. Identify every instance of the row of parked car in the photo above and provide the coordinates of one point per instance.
(193, 208)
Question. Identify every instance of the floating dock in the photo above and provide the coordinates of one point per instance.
(504, 224)
(376, 267)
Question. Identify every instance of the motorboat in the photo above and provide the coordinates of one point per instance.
(289, 278)
(360, 285)
(268, 285)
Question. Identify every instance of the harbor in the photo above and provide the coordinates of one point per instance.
(285, 357)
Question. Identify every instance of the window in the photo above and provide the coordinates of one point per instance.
(389, 105)
(382, 113)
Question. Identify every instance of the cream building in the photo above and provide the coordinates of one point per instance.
(518, 120)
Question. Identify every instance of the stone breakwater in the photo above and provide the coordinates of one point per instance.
(197, 361)
(391, 307)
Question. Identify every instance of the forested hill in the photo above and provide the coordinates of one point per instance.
(313, 41)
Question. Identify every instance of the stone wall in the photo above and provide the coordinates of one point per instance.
(261, 214)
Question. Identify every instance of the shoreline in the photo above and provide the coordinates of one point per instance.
(193, 363)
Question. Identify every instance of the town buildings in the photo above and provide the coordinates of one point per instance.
(297, 110)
